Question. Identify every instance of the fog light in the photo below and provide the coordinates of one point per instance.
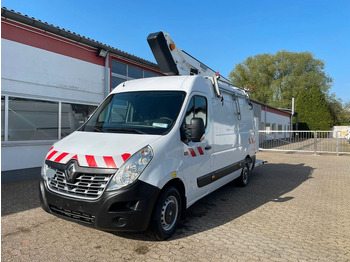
(122, 221)
(119, 221)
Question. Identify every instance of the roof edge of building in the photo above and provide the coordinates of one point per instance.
(31, 21)
(288, 111)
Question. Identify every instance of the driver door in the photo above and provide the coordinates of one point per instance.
(197, 155)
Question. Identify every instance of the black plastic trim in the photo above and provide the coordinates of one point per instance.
(126, 209)
(162, 53)
(79, 169)
(216, 175)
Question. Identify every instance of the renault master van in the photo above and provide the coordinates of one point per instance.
(150, 150)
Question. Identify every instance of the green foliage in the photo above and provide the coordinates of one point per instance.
(313, 109)
(335, 106)
(345, 120)
(276, 79)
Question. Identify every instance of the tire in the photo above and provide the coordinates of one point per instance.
(166, 214)
(244, 177)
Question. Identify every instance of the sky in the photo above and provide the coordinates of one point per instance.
(220, 34)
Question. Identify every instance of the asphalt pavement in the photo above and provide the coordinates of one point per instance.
(295, 208)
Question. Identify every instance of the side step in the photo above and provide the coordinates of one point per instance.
(259, 163)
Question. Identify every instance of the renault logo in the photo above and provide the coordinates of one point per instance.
(71, 172)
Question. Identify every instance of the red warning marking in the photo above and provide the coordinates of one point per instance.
(60, 157)
(109, 162)
(51, 155)
(91, 161)
(125, 156)
(193, 153)
(200, 150)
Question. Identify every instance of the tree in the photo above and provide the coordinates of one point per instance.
(312, 108)
(335, 106)
(346, 114)
(276, 79)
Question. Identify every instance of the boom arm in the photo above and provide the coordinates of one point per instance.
(173, 61)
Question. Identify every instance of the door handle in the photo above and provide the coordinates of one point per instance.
(207, 147)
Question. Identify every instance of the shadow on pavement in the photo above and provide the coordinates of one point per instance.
(19, 196)
(267, 183)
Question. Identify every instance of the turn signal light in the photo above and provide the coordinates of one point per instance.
(172, 46)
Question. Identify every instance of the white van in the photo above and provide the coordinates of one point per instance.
(152, 148)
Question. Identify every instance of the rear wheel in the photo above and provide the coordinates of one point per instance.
(166, 214)
(244, 178)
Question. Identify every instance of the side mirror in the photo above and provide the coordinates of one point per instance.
(195, 130)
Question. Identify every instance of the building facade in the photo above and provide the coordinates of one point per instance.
(51, 80)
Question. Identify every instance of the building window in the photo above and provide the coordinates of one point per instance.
(73, 116)
(2, 118)
(149, 74)
(116, 81)
(30, 119)
(122, 72)
(135, 72)
(262, 126)
(118, 68)
(25, 119)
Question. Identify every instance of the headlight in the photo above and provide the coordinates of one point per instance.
(47, 173)
(131, 169)
(43, 171)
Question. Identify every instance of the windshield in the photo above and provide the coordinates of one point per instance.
(144, 112)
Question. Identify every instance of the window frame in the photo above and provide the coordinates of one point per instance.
(127, 77)
(32, 114)
(5, 118)
(194, 107)
(9, 143)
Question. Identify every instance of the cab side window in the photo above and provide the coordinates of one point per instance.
(197, 108)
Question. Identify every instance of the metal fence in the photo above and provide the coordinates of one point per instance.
(304, 141)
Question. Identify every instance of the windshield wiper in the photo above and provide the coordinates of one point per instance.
(126, 130)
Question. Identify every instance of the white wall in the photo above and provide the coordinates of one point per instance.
(40, 73)
(273, 118)
(31, 72)
(18, 157)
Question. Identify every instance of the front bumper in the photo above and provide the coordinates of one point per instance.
(126, 209)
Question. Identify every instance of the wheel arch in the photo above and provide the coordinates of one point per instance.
(251, 161)
(180, 186)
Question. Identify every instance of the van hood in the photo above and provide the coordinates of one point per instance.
(102, 150)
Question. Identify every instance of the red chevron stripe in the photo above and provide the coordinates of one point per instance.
(51, 155)
(200, 150)
(91, 161)
(125, 156)
(109, 162)
(193, 153)
(60, 157)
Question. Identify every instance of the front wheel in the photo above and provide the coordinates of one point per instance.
(166, 214)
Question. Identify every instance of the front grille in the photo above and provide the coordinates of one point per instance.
(78, 216)
(85, 185)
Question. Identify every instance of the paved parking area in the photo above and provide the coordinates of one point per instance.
(296, 208)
